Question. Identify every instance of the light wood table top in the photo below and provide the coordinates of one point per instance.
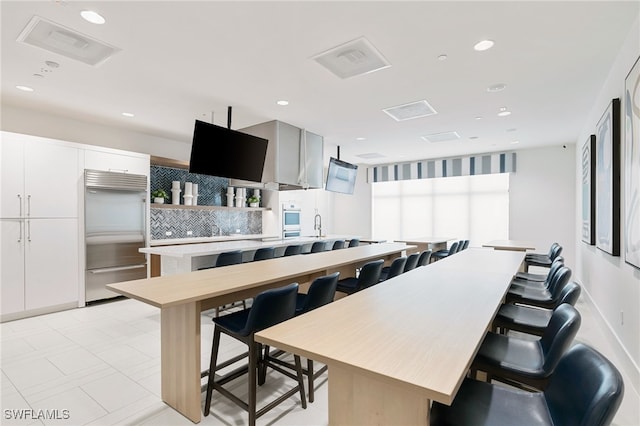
(516, 245)
(418, 332)
(426, 240)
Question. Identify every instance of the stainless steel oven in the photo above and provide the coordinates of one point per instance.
(291, 221)
(115, 228)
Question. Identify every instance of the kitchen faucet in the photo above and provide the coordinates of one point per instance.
(317, 224)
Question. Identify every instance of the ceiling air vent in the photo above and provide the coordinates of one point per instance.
(64, 41)
(352, 58)
(411, 110)
(370, 155)
(441, 137)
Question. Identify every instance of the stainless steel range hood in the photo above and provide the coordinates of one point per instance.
(293, 161)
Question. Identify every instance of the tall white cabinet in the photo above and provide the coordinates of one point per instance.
(39, 228)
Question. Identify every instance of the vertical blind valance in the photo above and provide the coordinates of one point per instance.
(504, 162)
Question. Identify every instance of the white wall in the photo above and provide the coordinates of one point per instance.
(542, 199)
(613, 285)
(351, 214)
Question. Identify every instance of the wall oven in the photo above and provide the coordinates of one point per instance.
(291, 221)
(115, 228)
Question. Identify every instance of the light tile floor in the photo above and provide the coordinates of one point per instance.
(100, 365)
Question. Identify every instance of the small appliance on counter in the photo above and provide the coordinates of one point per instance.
(115, 228)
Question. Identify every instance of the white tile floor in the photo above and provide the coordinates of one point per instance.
(102, 365)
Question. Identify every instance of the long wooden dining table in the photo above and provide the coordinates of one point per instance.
(182, 297)
(393, 348)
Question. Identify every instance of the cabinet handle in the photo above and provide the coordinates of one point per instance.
(20, 204)
(20, 236)
(119, 170)
(28, 230)
(29, 206)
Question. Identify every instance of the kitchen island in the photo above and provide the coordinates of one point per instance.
(181, 258)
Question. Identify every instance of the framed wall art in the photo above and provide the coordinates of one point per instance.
(608, 180)
(589, 190)
(632, 166)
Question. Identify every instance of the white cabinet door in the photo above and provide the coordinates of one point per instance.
(110, 162)
(11, 177)
(52, 269)
(12, 240)
(52, 180)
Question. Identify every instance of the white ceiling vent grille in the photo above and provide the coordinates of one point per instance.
(66, 42)
(441, 137)
(352, 58)
(410, 111)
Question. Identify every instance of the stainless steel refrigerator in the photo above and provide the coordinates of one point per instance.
(115, 228)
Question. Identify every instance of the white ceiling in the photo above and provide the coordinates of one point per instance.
(186, 60)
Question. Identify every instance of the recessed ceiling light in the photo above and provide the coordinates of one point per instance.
(442, 57)
(483, 45)
(504, 112)
(513, 129)
(93, 17)
(361, 139)
(282, 102)
(25, 88)
(128, 114)
(499, 87)
(473, 137)
(478, 117)
(514, 142)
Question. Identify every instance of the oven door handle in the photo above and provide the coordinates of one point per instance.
(117, 268)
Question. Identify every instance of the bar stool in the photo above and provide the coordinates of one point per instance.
(318, 247)
(441, 254)
(396, 268)
(264, 253)
(354, 242)
(269, 308)
(369, 275)
(425, 258)
(292, 250)
(337, 245)
(412, 262)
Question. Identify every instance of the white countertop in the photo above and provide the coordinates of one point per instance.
(234, 237)
(218, 246)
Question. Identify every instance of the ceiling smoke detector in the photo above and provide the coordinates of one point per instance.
(410, 111)
(353, 58)
(64, 41)
(441, 137)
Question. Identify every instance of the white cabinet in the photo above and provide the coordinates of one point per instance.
(115, 162)
(12, 265)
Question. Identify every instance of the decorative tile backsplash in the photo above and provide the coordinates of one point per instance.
(200, 223)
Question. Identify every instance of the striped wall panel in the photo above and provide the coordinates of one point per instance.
(504, 162)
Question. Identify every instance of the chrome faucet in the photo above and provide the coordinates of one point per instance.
(317, 224)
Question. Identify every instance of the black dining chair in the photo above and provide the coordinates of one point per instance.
(535, 284)
(227, 258)
(531, 320)
(540, 297)
(318, 246)
(292, 250)
(337, 245)
(530, 276)
(264, 253)
(396, 268)
(542, 260)
(412, 262)
(585, 389)
(369, 275)
(269, 308)
(441, 254)
(321, 292)
(523, 361)
(425, 258)
(354, 242)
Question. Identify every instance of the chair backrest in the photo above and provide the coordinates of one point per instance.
(412, 262)
(321, 292)
(553, 270)
(454, 248)
(354, 242)
(558, 336)
(586, 389)
(555, 252)
(270, 308)
(397, 267)
(337, 245)
(559, 280)
(570, 293)
(264, 253)
(460, 246)
(552, 247)
(229, 258)
(369, 274)
(425, 258)
(465, 245)
(292, 250)
(318, 246)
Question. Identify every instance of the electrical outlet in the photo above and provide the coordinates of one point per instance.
(621, 317)
(189, 232)
(168, 233)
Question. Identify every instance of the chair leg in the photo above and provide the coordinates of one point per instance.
(212, 370)
(253, 365)
(303, 399)
(262, 371)
(310, 379)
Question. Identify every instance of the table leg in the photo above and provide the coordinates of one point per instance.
(355, 399)
(180, 359)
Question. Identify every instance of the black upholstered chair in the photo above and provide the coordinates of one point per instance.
(542, 260)
(465, 245)
(264, 253)
(321, 292)
(530, 320)
(369, 275)
(318, 247)
(412, 262)
(425, 258)
(229, 258)
(529, 276)
(541, 297)
(585, 389)
(525, 361)
(354, 242)
(292, 250)
(535, 284)
(441, 254)
(269, 308)
(393, 270)
(337, 245)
